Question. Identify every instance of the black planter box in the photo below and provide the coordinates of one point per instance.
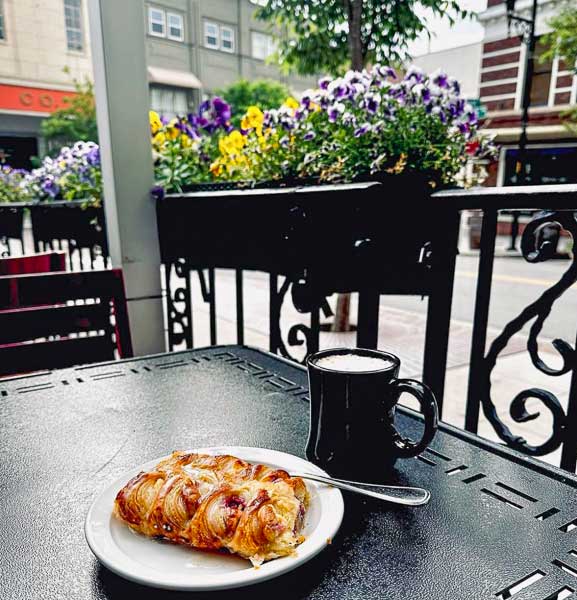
(383, 235)
(67, 221)
(11, 222)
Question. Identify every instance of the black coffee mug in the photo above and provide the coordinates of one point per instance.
(352, 432)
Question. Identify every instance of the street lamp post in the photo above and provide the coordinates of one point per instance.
(526, 29)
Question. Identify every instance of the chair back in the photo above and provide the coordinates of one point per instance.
(43, 262)
(58, 320)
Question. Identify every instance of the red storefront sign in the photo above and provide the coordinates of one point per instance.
(29, 99)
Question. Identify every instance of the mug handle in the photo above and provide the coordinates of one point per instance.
(405, 447)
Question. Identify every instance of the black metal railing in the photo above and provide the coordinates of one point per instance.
(557, 207)
(282, 230)
(70, 226)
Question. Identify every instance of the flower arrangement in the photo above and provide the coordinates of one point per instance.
(13, 185)
(184, 148)
(72, 175)
(364, 125)
(360, 126)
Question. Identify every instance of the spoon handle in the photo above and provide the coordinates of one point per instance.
(408, 496)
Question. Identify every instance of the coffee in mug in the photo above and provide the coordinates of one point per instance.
(353, 396)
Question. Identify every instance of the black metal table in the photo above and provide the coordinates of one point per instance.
(495, 518)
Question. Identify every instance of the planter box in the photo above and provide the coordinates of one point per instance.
(386, 235)
(81, 226)
(11, 222)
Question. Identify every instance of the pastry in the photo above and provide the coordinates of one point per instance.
(217, 503)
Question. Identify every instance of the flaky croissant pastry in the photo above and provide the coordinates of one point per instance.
(217, 502)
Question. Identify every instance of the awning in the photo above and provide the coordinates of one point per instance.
(182, 79)
(534, 132)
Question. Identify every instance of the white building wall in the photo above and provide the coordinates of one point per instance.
(463, 63)
(35, 50)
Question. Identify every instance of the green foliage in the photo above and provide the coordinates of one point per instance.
(264, 93)
(323, 34)
(562, 41)
(75, 122)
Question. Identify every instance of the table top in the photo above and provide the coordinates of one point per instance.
(495, 517)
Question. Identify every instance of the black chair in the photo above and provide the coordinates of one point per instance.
(59, 320)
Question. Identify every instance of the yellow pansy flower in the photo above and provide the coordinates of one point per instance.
(216, 168)
(159, 139)
(253, 119)
(290, 102)
(232, 144)
(172, 130)
(155, 122)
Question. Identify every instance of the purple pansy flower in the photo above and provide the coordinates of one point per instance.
(362, 130)
(440, 78)
(335, 111)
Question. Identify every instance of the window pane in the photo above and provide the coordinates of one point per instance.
(262, 45)
(211, 35)
(541, 82)
(180, 102)
(73, 23)
(175, 26)
(227, 39)
(156, 20)
(2, 26)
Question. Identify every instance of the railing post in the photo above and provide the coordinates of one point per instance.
(439, 308)
(481, 318)
(368, 318)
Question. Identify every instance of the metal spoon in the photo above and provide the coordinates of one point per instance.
(409, 496)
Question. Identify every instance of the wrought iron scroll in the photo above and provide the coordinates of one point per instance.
(305, 300)
(538, 244)
(178, 303)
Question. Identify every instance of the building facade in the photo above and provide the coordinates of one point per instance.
(462, 62)
(192, 48)
(552, 149)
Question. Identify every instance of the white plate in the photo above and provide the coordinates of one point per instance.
(169, 566)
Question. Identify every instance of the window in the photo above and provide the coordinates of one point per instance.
(168, 101)
(211, 38)
(156, 22)
(263, 45)
(2, 25)
(541, 82)
(175, 27)
(73, 21)
(219, 37)
(227, 39)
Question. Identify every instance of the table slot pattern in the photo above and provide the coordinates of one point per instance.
(561, 594)
(523, 583)
(512, 521)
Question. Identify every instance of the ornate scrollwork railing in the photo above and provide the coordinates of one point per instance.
(307, 301)
(538, 244)
(178, 303)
